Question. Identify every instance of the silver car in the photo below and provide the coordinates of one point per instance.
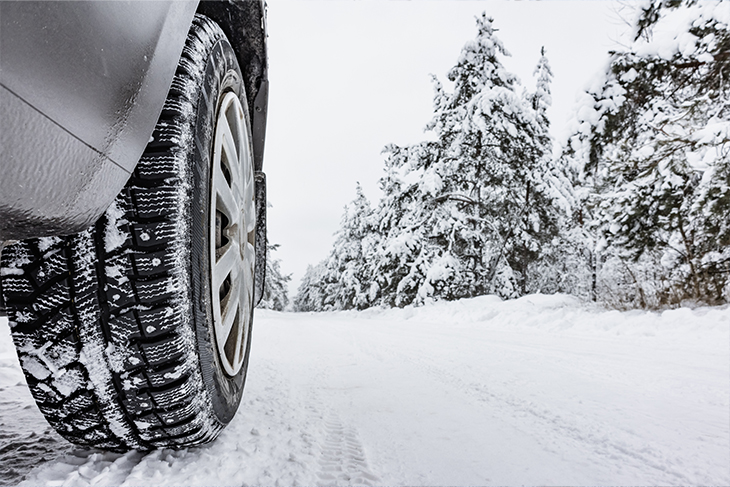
(132, 212)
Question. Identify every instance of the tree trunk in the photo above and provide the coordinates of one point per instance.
(690, 260)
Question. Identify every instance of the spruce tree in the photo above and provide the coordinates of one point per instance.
(654, 146)
(541, 99)
(466, 214)
(276, 285)
(552, 271)
(311, 294)
(343, 280)
(401, 261)
(348, 278)
(474, 209)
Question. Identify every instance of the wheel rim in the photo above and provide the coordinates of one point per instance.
(232, 230)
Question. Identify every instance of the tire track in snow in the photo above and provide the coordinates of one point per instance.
(343, 460)
(588, 436)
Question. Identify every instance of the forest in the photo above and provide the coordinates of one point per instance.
(632, 211)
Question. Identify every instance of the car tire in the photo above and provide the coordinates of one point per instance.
(135, 333)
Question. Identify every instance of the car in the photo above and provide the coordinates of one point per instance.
(133, 212)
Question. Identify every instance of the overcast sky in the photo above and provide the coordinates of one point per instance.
(350, 76)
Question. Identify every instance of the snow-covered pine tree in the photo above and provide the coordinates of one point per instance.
(311, 292)
(541, 99)
(405, 252)
(547, 274)
(276, 285)
(473, 207)
(343, 280)
(565, 262)
(654, 144)
(568, 263)
(348, 267)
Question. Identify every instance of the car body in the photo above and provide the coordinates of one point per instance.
(81, 87)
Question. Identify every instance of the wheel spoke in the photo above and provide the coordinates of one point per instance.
(248, 184)
(229, 309)
(248, 268)
(248, 271)
(249, 254)
(225, 199)
(226, 264)
(229, 149)
(246, 303)
(240, 338)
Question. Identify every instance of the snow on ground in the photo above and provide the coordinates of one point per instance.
(540, 390)
(26, 440)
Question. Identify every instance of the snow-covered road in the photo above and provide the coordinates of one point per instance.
(541, 390)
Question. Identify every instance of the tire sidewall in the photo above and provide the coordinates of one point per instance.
(222, 74)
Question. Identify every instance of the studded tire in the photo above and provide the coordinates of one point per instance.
(115, 327)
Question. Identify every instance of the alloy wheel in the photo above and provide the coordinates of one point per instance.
(232, 231)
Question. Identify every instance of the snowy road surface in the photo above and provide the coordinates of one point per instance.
(541, 390)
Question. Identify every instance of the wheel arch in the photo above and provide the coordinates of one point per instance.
(244, 23)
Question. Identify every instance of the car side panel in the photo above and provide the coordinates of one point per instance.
(82, 85)
(38, 198)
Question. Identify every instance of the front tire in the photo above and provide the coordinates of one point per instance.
(135, 334)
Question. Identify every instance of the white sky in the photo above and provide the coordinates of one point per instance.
(350, 76)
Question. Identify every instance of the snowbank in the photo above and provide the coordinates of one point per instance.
(560, 314)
